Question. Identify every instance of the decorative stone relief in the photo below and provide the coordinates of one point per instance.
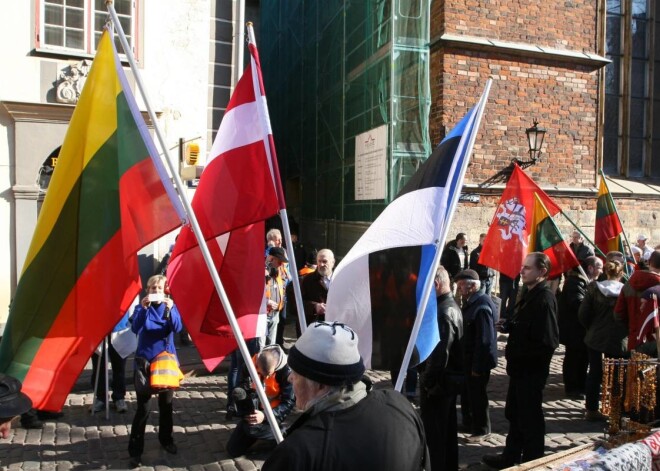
(71, 81)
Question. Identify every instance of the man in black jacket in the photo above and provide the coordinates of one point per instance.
(442, 379)
(486, 274)
(533, 338)
(345, 424)
(480, 347)
(455, 256)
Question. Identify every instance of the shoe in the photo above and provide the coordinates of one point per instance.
(120, 405)
(99, 406)
(497, 461)
(47, 415)
(477, 438)
(170, 448)
(578, 396)
(231, 412)
(594, 416)
(135, 462)
(32, 423)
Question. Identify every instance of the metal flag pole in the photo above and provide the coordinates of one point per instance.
(198, 233)
(269, 145)
(430, 278)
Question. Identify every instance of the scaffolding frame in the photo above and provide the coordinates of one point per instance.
(336, 69)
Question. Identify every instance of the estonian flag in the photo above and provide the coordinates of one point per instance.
(377, 288)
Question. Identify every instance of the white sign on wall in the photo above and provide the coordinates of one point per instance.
(371, 164)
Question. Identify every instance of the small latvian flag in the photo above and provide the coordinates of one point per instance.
(545, 237)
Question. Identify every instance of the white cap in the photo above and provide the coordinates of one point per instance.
(641, 237)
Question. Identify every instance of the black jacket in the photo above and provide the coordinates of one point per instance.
(480, 338)
(380, 432)
(571, 331)
(451, 260)
(533, 333)
(483, 271)
(447, 357)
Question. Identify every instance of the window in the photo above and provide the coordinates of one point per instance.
(75, 26)
(632, 90)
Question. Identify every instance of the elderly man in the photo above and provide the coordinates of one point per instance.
(12, 403)
(345, 424)
(480, 346)
(314, 288)
(646, 250)
(442, 379)
(580, 250)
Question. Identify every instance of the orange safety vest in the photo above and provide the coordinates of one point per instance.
(271, 387)
(280, 287)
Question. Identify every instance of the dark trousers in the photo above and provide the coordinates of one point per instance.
(574, 369)
(439, 418)
(524, 411)
(165, 425)
(508, 295)
(118, 381)
(245, 435)
(474, 404)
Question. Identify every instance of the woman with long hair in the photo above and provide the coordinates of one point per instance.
(606, 335)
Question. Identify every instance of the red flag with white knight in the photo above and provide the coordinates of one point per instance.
(506, 243)
(237, 191)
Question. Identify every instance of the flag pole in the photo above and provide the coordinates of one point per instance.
(655, 322)
(269, 145)
(616, 211)
(198, 234)
(577, 228)
(430, 278)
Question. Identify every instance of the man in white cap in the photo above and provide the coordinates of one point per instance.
(345, 424)
(646, 250)
(12, 403)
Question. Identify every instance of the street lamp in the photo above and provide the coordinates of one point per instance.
(535, 136)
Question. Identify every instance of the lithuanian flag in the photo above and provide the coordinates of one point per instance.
(545, 237)
(105, 201)
(608, 228)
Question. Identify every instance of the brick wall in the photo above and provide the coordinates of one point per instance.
(560, 24)
(562, 96)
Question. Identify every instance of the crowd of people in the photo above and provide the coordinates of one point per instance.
(595, 310)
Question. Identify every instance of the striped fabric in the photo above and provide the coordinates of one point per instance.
(237, 192)
(608, 227)
(105, 201)
(165, 371)
(545, 237)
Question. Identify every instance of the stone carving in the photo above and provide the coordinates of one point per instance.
(71, 82)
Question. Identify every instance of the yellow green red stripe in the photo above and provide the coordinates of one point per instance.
(80, 273)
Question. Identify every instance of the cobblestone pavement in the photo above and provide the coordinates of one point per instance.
(81, 441)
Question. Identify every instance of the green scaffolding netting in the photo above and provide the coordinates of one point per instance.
(333, 70)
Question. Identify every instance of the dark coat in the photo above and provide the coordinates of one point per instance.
(447, 357)
(313, 291)
(451, 260)
(480, 338)
(581, 251)
(605, 333)
(483, 271)
(571, 331)
(382, 431)
(533, 333)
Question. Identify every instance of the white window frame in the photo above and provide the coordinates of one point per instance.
(89, 47)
